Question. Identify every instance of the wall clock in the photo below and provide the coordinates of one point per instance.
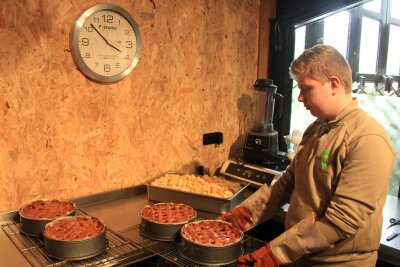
(105, 43)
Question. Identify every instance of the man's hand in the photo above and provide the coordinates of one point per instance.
(239, 216)
(262, 257)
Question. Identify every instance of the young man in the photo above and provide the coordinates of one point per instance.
(337, 182)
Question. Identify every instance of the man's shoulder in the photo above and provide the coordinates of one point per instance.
(361, 124)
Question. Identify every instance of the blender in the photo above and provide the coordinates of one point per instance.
(261, 144)
(262, 161)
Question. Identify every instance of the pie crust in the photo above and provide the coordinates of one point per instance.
(211, 233)
(74, 228)
(49, 209)
(168, 213)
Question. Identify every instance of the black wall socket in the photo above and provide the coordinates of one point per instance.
(212, 138)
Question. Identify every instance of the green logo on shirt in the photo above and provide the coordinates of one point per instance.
(324, 159)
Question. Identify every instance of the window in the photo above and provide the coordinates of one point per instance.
(368, 36)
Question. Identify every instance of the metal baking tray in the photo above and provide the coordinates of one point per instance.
(75, 249)
(207, 203)
(210, 254)
(161, 231)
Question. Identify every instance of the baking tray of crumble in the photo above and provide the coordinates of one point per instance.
(199, 201)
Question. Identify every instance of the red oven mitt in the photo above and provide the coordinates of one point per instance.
(263, 257)
(239, 216)
(301, 239)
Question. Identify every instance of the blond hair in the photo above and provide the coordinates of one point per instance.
(320, 62)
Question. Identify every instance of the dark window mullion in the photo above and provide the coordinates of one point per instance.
(383, 45)
(353, 53)
(314, 33)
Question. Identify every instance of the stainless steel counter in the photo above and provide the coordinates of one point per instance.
(119, 211)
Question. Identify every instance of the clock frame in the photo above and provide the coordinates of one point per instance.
(105, 43)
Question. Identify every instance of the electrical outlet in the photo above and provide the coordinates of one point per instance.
(212, 138)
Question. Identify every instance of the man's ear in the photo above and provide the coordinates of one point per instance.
(335, 84)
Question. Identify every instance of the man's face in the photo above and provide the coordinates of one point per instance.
(315, 96)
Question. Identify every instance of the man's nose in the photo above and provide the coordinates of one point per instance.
(300, 98)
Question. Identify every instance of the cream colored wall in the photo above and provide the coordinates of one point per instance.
(64, 136)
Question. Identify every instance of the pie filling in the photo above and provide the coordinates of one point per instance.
(214, 186)
(168, 213)
(211, 233)
(47, 209)
(74, 228)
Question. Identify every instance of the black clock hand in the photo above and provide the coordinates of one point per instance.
(114, 47)
(105, 40)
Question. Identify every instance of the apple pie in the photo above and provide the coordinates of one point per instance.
(211, 233)
(74, 228)
(49, 209)
(168, 213)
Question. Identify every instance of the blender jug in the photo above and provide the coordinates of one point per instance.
(265, 105)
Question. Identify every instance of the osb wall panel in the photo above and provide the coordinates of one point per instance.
(64, 136)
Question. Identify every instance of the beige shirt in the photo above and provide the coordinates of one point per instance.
(341, 172)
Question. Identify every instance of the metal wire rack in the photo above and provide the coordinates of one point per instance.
(119, 252)
(169, 250)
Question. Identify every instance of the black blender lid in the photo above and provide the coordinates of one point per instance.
(261, 84)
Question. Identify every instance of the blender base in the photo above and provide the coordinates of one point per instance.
(263, 158)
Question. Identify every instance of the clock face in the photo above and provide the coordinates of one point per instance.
(105, 43)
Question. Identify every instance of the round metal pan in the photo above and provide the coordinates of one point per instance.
(209, 254)
(161, 231)
(34, 227)
(77, 249)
